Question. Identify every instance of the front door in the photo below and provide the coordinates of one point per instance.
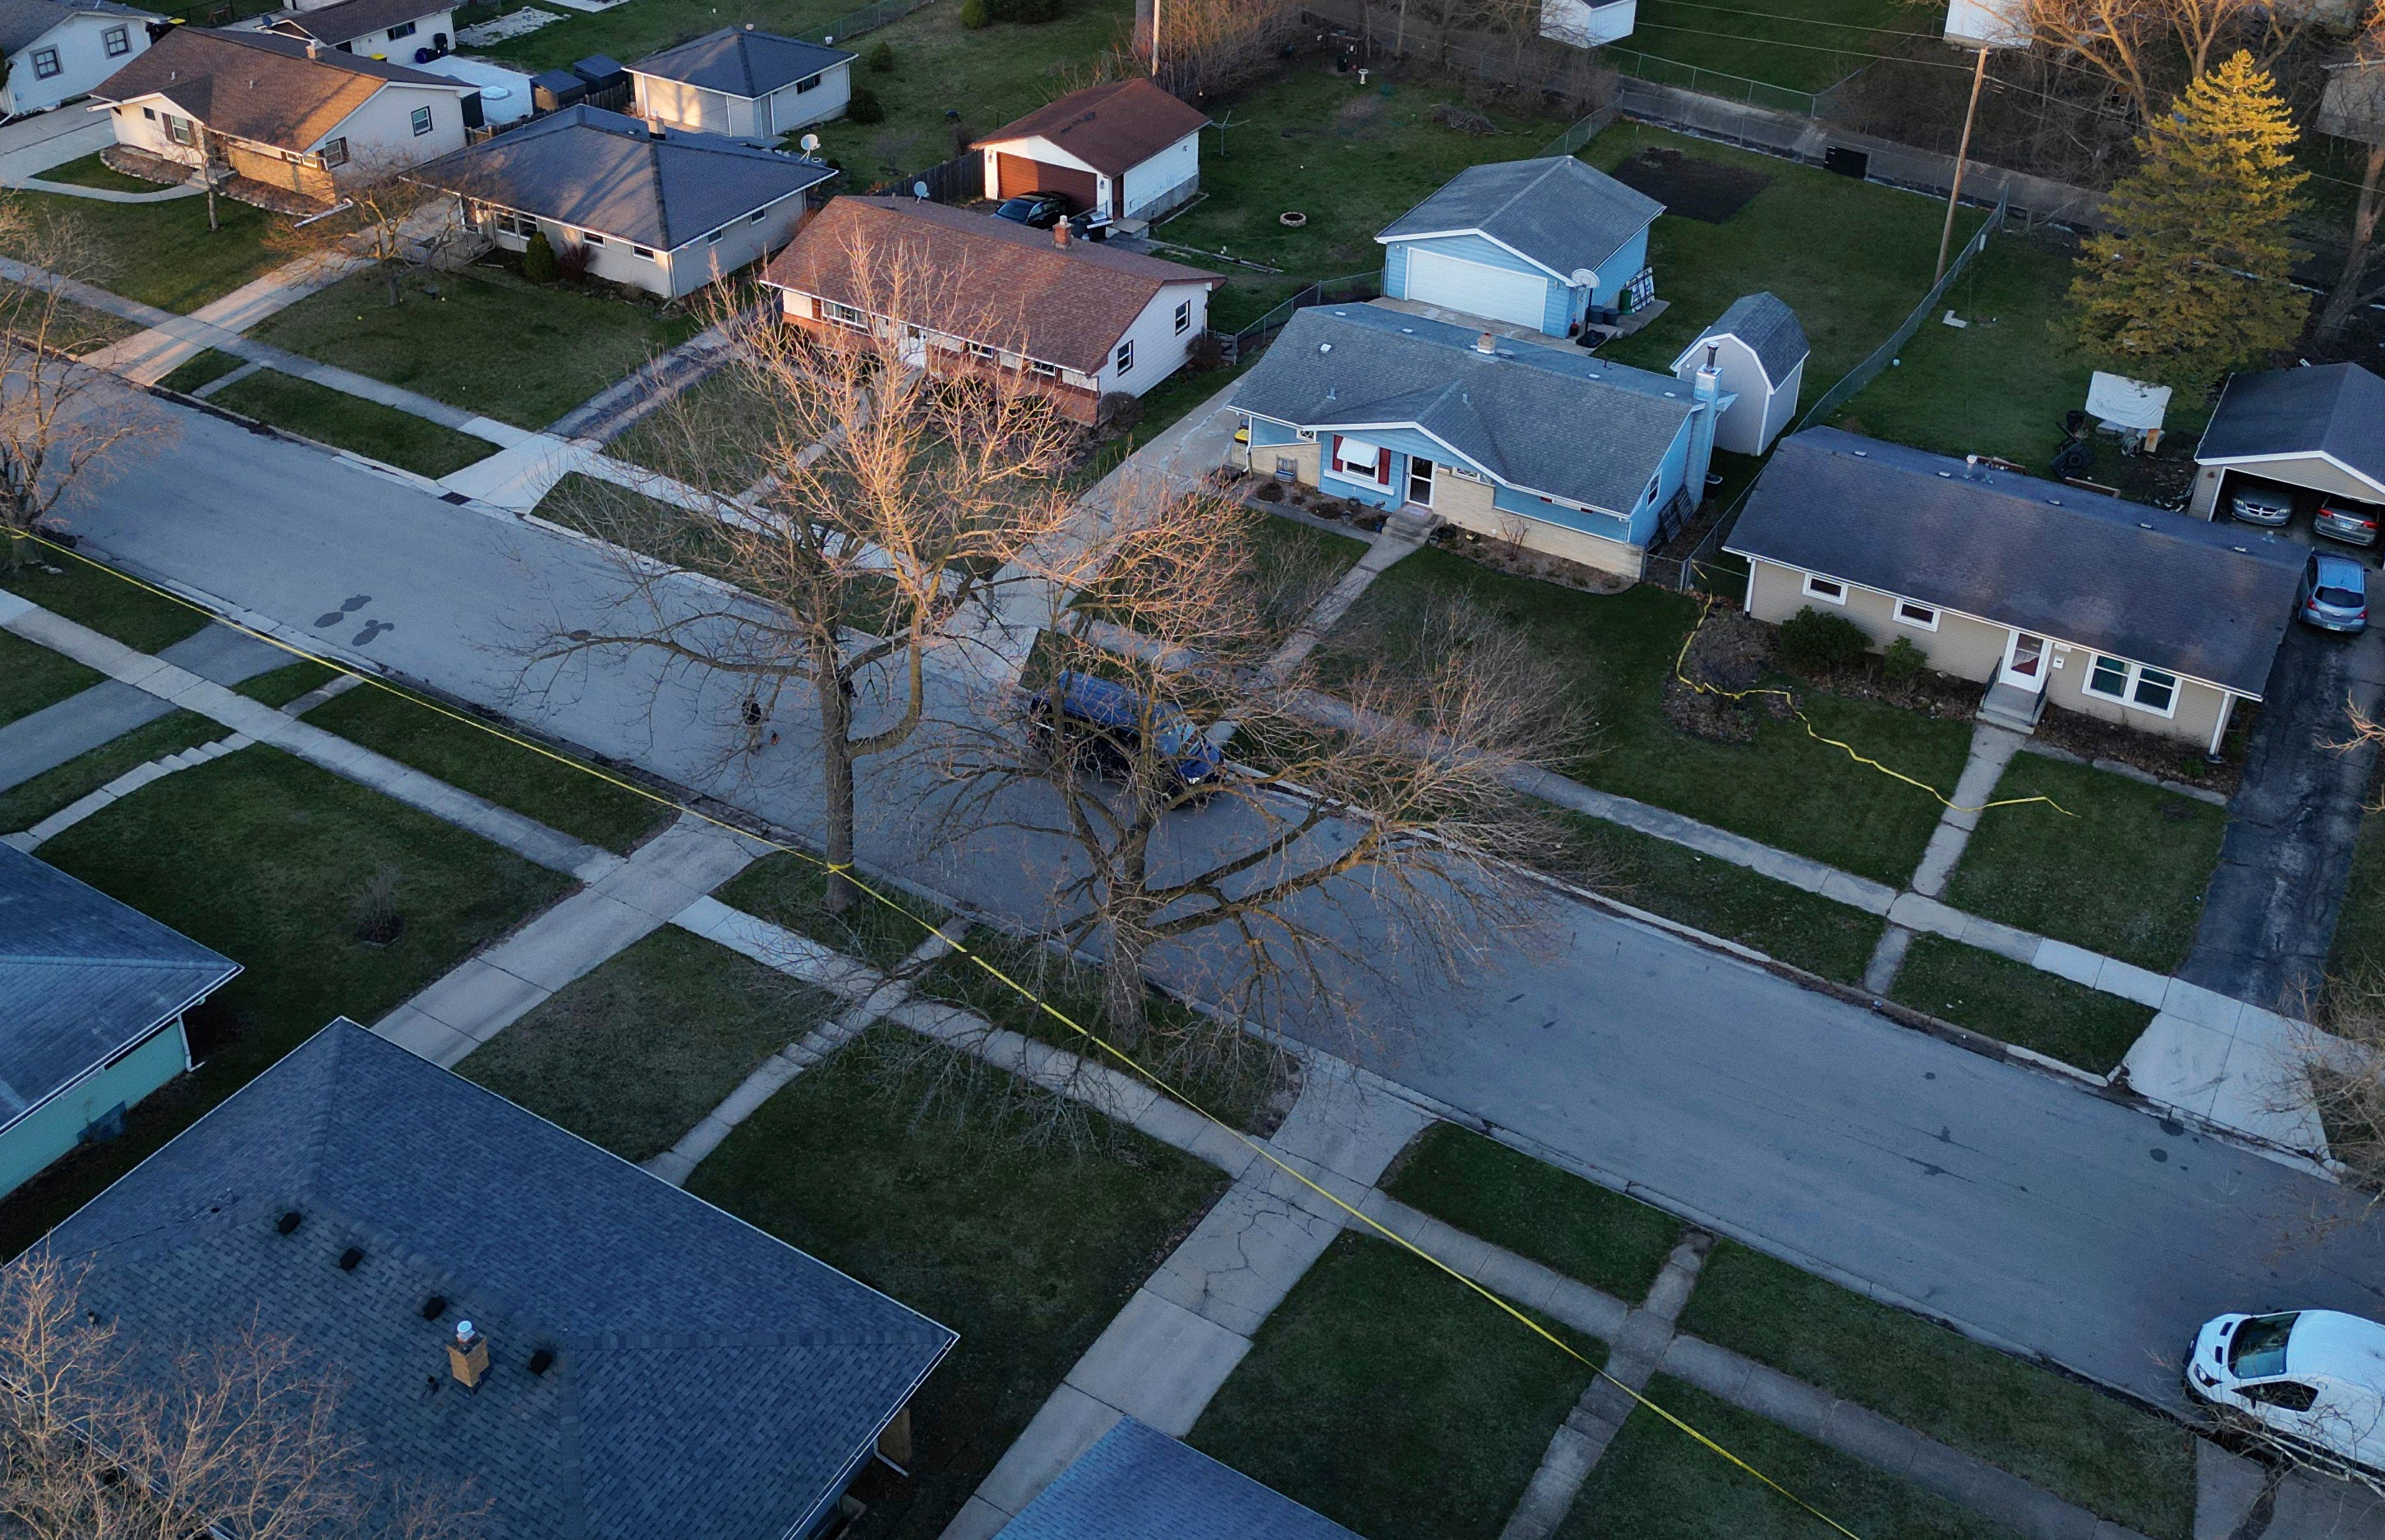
(2024, 663)
(1419, 481)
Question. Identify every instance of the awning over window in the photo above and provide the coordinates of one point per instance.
(1355, 454)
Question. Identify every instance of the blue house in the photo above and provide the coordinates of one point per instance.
(92, 999)
(1541, 243)
(1542, 445)
(1138, 1484)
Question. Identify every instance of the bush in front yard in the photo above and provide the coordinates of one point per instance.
(1814, 642)
(1902, 661)
(538, 260)
(882, 57)
(863, 106)
(973, 14)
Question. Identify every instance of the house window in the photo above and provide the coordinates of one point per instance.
(150, 113)
(1037, 366)
(1655, 482)
(810, 82)
(335, 152)
(422, 121)
(181, 130)
(844, 314)
(590, 237)
(2156, 691)
(1286, 468)
(1825, 589)
(1363, 461)
(118, 42)
(643, 251)
(1125, 355)
(1183, 317)
(2146, 688)
(1920, 616)
(45, 63)
(714, 239)
(982, 354)
(404, 29)
(2109, 676)
(756, 218)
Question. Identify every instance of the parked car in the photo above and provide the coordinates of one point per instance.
(2348, 522)
(1106, 720)
(2334, 595)
(2261, 502)
(1035, 210)
(2313, 1380)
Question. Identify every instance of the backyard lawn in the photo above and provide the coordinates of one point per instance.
(631, 33)
(352, 423)
(265, 858)
(2015, 1003)
(1026, 1252)
(90, 594)
(1785, 43)
(28, 803)
(163, 254)
(2120, 870)
(484, 340)
(32, 676)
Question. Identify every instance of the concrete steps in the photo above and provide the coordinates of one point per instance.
(2012, 707)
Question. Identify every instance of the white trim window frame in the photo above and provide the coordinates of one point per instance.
(2132, 685)
(844, 314)
(1124, 358)
(1183, 317)
(1919, 617)
(45, 64)
(421, 121)
(117, 40)
(1829, 591)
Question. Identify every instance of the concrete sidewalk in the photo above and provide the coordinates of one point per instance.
(40, 742)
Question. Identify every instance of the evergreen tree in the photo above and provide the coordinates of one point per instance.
(2191, 280)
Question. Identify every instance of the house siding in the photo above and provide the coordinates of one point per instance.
(1614, 274)
(56, 1127)
(2303, 470)
(1073, 395)
(680, 271)
(1159, 349)
(1749, 424)
(1164, 181)
(81, 43)
(431, 29)
(787, 110)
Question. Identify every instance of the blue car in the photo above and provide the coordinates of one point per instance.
(2334, 595)
(1107, 719)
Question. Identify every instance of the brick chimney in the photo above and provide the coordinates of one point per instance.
(468, 1357)
(1060, 232)
(1486, 343)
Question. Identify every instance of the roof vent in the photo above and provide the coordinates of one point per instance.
(288, 1223)
(2143, 525)
(1325, 347)
(434, 1307)
(467, 1356)
(1863, 454)
(1945, 475)
(2240, 549)
(1484, 344)
(542, 1360)
(2055, 502)
(349, 1258)
(1407, 331)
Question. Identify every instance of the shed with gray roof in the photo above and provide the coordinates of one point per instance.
(738, 81)
(1138, 1484)
(653, 1365)
(2139, 616)
(93, 994)
(2321, 429)
(1760, 350)
(1549, 243)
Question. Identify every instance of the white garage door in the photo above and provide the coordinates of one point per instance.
(1476, 289)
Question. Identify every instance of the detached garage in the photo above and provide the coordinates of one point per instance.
(1550, 243)
(1127, 149)
(2321, 430)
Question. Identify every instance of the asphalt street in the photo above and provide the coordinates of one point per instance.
(2017, 1205)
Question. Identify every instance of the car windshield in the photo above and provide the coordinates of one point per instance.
(2341, 599)
(2258, 1349)
(1014, 208)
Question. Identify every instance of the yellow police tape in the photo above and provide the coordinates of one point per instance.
(845, 870)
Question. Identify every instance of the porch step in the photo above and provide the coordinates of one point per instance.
(1412, 523)
(2013, 707)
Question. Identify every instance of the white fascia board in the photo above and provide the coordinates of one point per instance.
(1565, 279)
(2353, 471)
(1037, 147)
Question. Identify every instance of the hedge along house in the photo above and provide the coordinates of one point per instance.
(2321, 430)
(758, 85)
(93, 994)
(1760, 351)
(2050, 594)
(654, 209)
(283, 111)
(1078, 320)
(58, 51)
(1545, 243)
(1127, 149)
(1544, 446)
(416, 31)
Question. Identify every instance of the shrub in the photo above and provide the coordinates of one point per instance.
(1814, 642)
(1206, 353)
(572, 259)
(538, 261)
(1902, 661)
(882, 57)
(1118, 410)
(1028, 11)
(863, 107)
(1271, 492)
(973, 14)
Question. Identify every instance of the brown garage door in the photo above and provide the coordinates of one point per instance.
(1017, 174)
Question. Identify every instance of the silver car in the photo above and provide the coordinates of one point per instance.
(2334, 595)
(2259, 502)
(2353, 523)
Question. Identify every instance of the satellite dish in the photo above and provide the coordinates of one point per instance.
(920, 191)
(811, 143)
(1582, 277)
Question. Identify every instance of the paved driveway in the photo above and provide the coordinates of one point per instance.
(33, 145)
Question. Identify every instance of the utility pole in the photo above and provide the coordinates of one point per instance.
(1155, 39)
(1962, 154)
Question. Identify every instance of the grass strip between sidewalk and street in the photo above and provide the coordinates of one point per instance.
(352, 423)
(89, 594)
(791, 890)
(200, 368)
(278, 686)
(28, 803)
(2015, 1003)
(32, 677)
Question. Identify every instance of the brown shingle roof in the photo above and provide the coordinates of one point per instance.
(259, 86)
(995, 282)
(1110, 128)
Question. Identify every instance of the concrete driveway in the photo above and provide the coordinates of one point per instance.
(31, 145)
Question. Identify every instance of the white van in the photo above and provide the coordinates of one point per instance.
(2315, 1380)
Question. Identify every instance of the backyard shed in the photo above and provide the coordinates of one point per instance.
(2319, 430)
(1760, 350)
(1127, 149)
(738, 81)
(1541, 243)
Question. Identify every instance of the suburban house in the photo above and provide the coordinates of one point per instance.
(418, 30)
(1138, 1484)
(95, 994)
(737, 80)
(1081, 320)
(58, 50)
(1545, 446)
(2051, 594)
(1546, 243)
(1760, 351)
(518, 1316)
(656, 208)
(286, 112)
(1589, 23)
(2321, 430)
(1125, 149)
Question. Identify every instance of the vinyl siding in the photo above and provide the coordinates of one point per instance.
(56, 1127)
(787, 110)
(1617, 272)
(1159, 348)
(1179, 166)
(83, 62)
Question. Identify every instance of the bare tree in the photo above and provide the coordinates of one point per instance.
(879, 495)
(2354, 108)
(2146, 50)
(380, 213)
(105, 1439)
(59, 419)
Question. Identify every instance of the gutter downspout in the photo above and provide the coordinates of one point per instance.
(1705, 390)
(2220, 728)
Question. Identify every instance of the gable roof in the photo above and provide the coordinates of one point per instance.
(604, 171)
(346, 20)
(2207, 601)
(83, 978)
(1556, 211)
(260, 86)
(1111, 128)
(23, 21)
(742, 62)
(1769, 328)
(1138, 1484)
(998, 282)
(709, 1382)
(1548, 420)
(2335, 409)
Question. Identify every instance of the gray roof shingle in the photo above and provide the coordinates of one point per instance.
(1138, 1484)
(1557, 211)
(1553, 420)
(742, 62)
(604, 171)
(1768, 326)
(710, 1381)
(83, 977)
(2337, 409)
(2207, 601)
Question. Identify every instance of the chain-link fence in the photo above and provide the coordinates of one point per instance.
(869, 18)
(1717, 83)
(1246, 342)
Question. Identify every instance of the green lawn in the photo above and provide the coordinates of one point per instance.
(94, 596)
(69, 328)
(32, 676)
(2015, 1003)
(631, 33)
(2122, 875)
(1784, 42)
(352, 423)
(28, 803)
(287, 683)
(2129, 1466)
(1026, 1252)
(1786, 789)
(1392, 1398)
(91, 171)
(1496, 1194)
(208, 364)
(485, 340)
(1799, 928)
(1654, 1483)
(634, 1055)
(787, 889)
(262, 857)
(556, 792)
(163, 254)
(723, 417)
